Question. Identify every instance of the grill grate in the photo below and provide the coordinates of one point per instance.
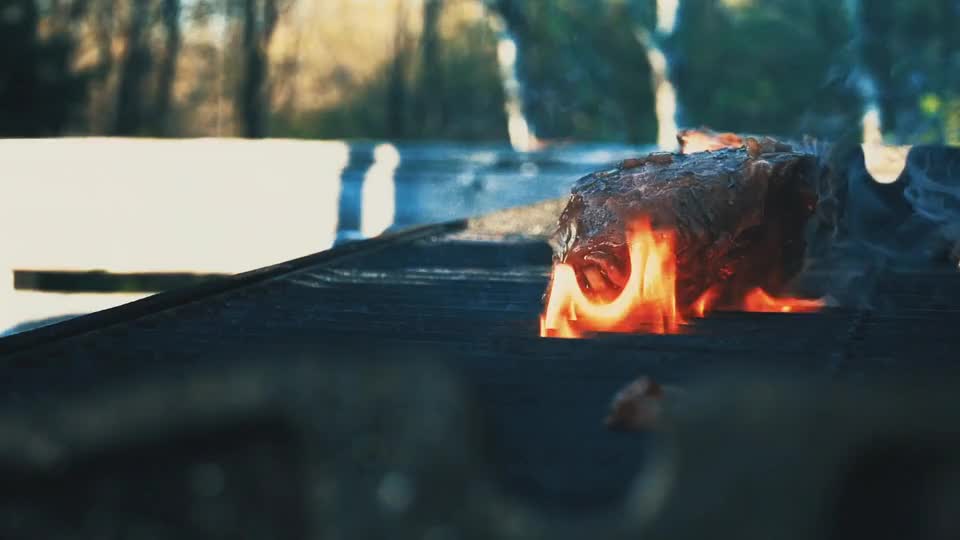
(473, 301)
(476, 304)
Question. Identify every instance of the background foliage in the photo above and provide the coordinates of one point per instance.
(427, 69)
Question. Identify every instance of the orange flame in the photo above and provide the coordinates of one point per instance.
(759, 300)
(703, 304)
(647, 302)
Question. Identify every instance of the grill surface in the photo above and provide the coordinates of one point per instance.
(470, 295)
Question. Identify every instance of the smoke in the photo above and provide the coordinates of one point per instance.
(934, 194)
(863, 227)
(932, 199)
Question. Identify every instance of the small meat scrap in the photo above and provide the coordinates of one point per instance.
(637, 407)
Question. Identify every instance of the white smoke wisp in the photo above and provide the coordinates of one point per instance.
(864, 226)
(939, 203)
(931, 199)
(927, 231)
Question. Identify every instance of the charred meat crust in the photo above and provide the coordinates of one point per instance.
(738, 216)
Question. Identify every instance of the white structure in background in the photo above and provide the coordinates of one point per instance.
(522, 136)
(884, 163)
(665, 99)
(870, 119)
(667, 16)
(140, 205)
(871, 123)
(378, 194)
(664, 93)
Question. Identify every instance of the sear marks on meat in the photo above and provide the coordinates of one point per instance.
(738, 216)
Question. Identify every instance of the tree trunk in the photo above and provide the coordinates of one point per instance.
(62, 17)
(513, 14)
(168, 69)
(429, 107)
(876, 22)
(100, 112)
(510, 58)
(136, 65)
(103, 33)
(18, 62)
(253, 95)
(396, 86)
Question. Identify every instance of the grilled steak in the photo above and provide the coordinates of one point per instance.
(738, 215)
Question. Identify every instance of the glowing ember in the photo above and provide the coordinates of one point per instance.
(759, 300)
(705, 302)
(647, 302)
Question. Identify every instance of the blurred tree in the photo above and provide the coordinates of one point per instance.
(397, 76)
(513, 29)
(428, 109)
(168, 66)
(101, 60)
(428, 68)
(586, 76)
(760, 66)
(103, 24)
(472, 96)
(259, 22)
(914, 50)
(443, 64)
(39, 93)
(130, 117)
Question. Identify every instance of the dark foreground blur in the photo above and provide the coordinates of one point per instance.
(292, 446)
